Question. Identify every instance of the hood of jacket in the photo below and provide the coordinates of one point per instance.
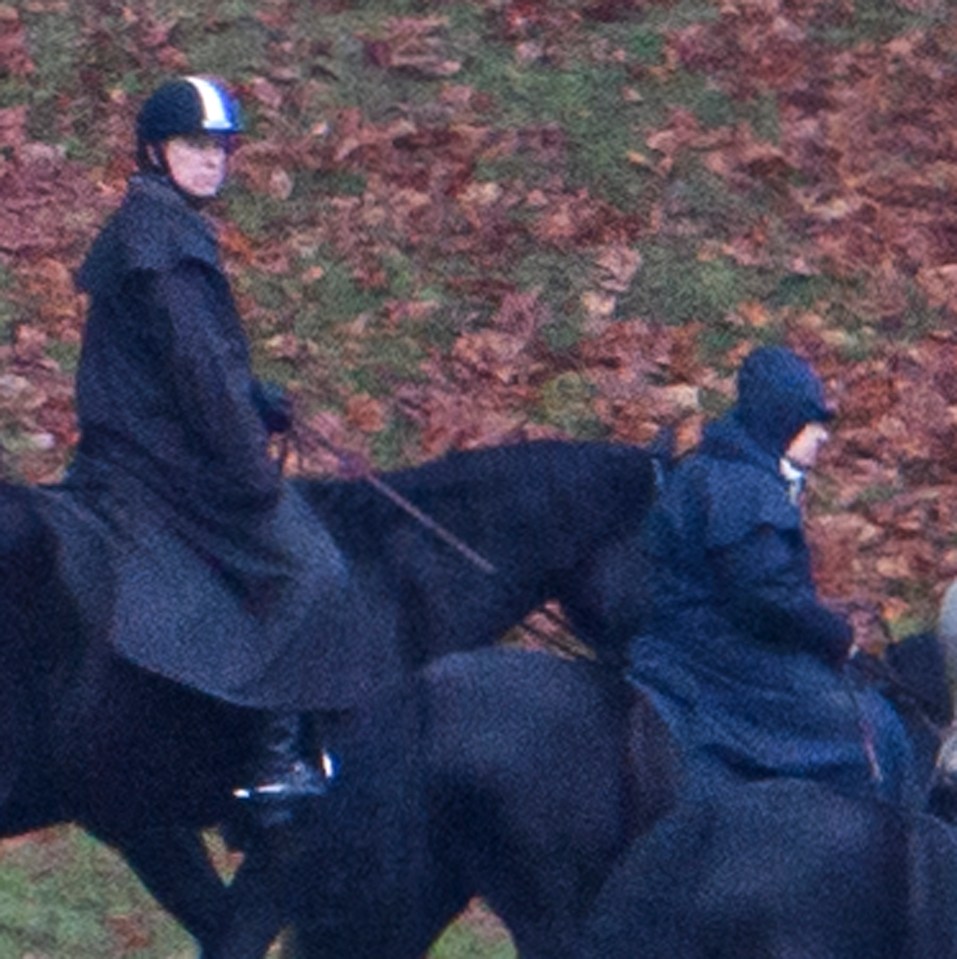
(778, 395)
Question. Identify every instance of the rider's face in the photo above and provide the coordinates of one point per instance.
(805, 447)
(197, 164)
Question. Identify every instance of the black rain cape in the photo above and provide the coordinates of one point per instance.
(741, 656)
(190, 553)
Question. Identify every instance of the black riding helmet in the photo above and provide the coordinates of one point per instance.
(184, 107)
(778, 395)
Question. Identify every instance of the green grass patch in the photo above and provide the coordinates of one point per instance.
(680, 14)
(847, 307)
(714, 403)
(922, 606)
(714, 343)
(65, 354)
(563, 331)
(230, 43)
(565, 401)
(336, 298)
(579, 99)
(475, 936)
(918, 319)
(386, 361)
(340, 47)
(696, 193)
(560, 278)
(8, 305)
(272, 292)
(646, 47)
(55, 42)
(876, 21)
(804, 291)
(71, 897)
(255, 214)
(875, 494)
(390, 446)
(675, 286)
(329, 183)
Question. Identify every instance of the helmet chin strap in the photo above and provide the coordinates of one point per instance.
(157, 158)
(795, 476)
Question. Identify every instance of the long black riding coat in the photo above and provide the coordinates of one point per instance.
(221, 579)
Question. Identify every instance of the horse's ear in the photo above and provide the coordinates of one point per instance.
(662, 450)
(947, 630)
(664, 444)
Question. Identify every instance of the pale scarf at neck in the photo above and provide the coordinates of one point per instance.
(795, 478)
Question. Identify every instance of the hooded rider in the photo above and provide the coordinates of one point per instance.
(741, 654)
(224, 578)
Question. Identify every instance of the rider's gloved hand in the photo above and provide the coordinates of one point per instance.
(273, 406)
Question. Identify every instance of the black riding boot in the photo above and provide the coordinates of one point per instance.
(282, 773)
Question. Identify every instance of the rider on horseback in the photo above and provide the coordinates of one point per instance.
(740, 653)
(217, 561)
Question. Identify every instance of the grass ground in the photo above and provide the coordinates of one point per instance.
(449, 209)
(66, 896)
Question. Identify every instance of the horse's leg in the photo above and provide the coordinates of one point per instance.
(174, 865)
(261, 896)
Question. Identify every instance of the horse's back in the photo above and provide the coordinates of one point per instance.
(572, 491)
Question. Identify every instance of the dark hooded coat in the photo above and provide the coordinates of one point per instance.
(219, 576)
(741, 654)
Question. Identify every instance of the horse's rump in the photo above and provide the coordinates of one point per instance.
(228, 622)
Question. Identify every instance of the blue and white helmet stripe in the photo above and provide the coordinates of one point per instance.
(219, 111)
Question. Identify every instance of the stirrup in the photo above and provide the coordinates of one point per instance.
(299, 781)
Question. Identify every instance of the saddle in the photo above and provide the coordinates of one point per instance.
(250, 628)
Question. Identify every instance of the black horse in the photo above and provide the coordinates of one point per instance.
(534, 812)
(784, 868)
(92, 724)
(514, 775)
(553, 519)
(534, 773)
(144, 765)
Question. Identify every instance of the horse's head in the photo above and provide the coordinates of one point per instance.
(601, 584)
(911, 675)
(917, 665)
